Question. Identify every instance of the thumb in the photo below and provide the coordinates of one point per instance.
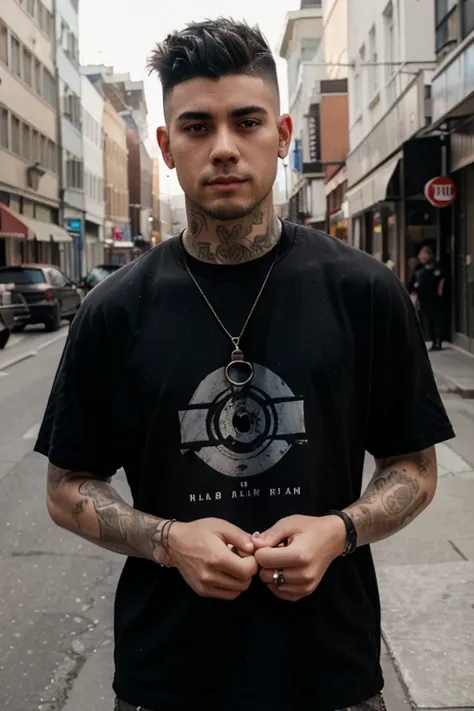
(275, 535)
(235, 536)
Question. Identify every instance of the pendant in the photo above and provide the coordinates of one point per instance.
(239, 372)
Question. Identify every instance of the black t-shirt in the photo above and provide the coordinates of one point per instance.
(340, 367)
(426, 281)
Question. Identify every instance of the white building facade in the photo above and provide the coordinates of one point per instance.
(391, 60)
(302, 48)
(69, 76)
(92, 128)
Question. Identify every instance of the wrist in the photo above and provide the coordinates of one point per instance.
(338, 534)
(350, 531)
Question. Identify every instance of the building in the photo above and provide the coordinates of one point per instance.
(29, 181)
(155, 191)
(335, 117)
(92, 123)
(119, 246)
(128, 99)
(301, 46)
(70, 125)
(391, 159)
(453, 118)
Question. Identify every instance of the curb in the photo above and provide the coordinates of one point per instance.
(447, 384)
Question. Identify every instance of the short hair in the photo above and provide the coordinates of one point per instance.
(213, 49)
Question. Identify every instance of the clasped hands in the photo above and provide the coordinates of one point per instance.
(219, 560)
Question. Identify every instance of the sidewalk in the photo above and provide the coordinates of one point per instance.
(454, 371)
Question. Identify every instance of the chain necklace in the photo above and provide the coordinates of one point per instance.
(239, 372)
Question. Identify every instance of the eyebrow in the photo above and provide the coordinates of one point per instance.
(236, 113)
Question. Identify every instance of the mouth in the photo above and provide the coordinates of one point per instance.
(227, 184)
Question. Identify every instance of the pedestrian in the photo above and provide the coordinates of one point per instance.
(238, 372)
(427, 285)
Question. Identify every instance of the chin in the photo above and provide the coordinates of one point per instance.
(228, 210)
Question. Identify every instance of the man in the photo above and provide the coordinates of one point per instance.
(427, 286)
(243, 367)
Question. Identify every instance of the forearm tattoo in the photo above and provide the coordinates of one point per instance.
(399, 491)
(97, 513)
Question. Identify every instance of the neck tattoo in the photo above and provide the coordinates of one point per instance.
(231, 243)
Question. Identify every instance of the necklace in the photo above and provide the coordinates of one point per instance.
(239, 372)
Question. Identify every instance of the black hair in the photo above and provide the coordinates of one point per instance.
(213, 48)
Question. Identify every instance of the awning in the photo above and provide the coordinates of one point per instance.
(373, 189)
(13, 225)
(46, 231)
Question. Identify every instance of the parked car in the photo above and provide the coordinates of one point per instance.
(14, 312)
(49, 294)
(97, 274)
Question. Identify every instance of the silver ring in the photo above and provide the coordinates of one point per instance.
(278, 578)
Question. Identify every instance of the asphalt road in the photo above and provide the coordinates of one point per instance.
(53, 587)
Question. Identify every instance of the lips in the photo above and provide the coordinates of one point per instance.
(228, 180)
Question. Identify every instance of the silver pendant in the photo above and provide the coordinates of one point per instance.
(239, 372)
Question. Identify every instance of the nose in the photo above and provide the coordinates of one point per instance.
(224, 149)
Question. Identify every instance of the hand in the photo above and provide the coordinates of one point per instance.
(200, 551)
(313, 543)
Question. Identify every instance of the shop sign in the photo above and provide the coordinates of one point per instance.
(440, 191)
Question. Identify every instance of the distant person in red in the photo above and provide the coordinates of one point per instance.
(427, 283)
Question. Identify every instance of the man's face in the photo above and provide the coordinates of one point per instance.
(224, 138)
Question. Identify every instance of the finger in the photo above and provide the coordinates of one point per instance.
(216, 579)
(276, 534)
(288, 597)
(235, 536)
(236, 566)
(221, 594)
(283, 557)
(294, 576)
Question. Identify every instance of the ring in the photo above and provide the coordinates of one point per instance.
(278, 578)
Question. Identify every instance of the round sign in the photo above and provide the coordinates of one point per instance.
(440, 191)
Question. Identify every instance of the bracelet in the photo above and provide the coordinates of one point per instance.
(351, 532)
(164, 538)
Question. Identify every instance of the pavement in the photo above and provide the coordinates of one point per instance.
(454, 371)
(56, 591)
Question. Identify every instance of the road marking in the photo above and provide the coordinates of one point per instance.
(32, 432)
(33, 353)
(61, 336)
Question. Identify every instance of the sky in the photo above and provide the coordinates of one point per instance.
(122, 33)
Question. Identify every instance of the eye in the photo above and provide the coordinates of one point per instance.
(249, 123)
(196, 128)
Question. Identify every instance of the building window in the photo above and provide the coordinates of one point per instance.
(35, 146)
(30, 7)
(49, 88)
(467, 17)
(3, 43)
(25, 141)
(38, 74)
(51, 164)
(447, 25)
(373, 63)
(44, 151)
(4, 128)
(75, 173)
(15, 135)
(15, 56)
(27, 67)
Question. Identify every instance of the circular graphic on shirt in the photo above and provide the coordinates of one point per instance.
(245, 433)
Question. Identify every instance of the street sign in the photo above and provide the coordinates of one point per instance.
(74, 225)
(440, 191)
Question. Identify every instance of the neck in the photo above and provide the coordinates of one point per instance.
(231, 241)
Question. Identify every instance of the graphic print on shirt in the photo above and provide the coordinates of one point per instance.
(245, 433)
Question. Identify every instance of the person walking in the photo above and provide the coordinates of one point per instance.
(244, 368)
(427, 284)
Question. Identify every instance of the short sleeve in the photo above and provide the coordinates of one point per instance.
(75, 432)
(406, 413)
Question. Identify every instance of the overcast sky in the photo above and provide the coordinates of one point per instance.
(122, 33)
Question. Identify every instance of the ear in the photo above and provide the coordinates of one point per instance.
(285, 130)
(163, 139)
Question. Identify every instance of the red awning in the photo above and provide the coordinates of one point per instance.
(11, 224)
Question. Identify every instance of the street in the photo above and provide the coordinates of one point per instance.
(56, 592)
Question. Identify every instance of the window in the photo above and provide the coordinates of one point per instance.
(30, 7)
(51, 164)
(27, 67)
(373, 61)
(44, 151)
(75, 174)
(38, 74)
(4, 128)
(39, 13)
(467, 17)
(49, 88)
(35, 146)
(3, 43)
(447, 25)
(15, 135)
(15, 57)
(57, 278)
(25, 141)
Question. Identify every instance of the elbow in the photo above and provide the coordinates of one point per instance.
(55, 511)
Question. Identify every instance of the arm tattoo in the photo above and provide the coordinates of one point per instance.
(399, 491)
(95, 511)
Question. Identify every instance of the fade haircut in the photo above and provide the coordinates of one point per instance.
(213, 49)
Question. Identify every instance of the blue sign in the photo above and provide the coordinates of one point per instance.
(73, 225)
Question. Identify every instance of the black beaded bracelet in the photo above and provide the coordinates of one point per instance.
(351, 532)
